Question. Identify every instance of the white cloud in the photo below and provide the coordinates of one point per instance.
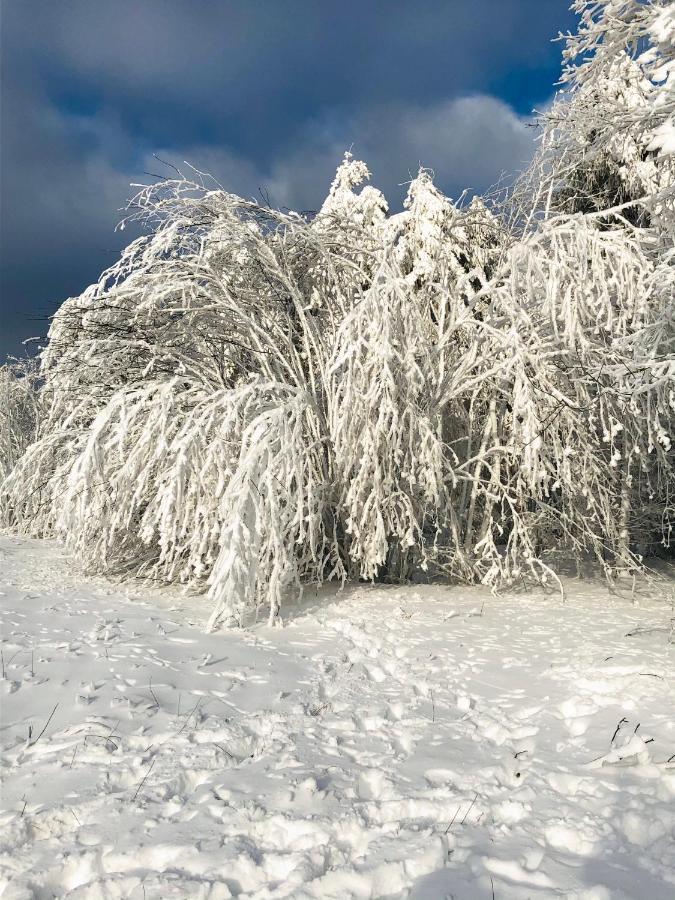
(469, 143)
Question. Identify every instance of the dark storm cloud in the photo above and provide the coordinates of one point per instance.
(262, 94)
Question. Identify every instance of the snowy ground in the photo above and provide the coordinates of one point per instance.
(424, 742)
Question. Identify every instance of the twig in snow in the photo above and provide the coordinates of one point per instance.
(220, 747)
(640, 630)
(14, 656)
(33, 743)
(471, 805)
(616, 730)
(144, 779)
(194, 710)
(154, 696)
(453, 818)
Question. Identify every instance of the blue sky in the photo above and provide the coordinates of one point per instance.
(264, 94)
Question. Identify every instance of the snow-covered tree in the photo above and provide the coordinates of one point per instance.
(607, 159)
(439, 242)
(250, 400)
(19, 411)
(205, 334)
(610, 135)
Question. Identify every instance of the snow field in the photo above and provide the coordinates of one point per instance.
(424, 742)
